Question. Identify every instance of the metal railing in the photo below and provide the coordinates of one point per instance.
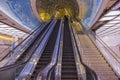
(57, 68)
(45, 72)
(79, 66)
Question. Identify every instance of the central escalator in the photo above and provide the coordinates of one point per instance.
(69, 71)
(47, 53)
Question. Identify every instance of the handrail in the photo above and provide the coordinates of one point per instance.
(116, 57)
(93, 74)
(79, 66)
(56, 50)
(59, 60)
(30, 66)
(14, 65)
(44, 73)
(19, 43)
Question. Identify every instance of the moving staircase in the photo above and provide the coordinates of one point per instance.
(69, 71)
(90, 56)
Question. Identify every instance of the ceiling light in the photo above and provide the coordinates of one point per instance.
(117, 18)
(106, 25)
(113, 22)
(111, 13)
(117, 25)
(107, 18)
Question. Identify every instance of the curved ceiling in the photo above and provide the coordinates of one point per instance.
(57, 8)
(80, 9)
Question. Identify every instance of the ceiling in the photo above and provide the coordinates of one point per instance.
(110, 12)
(43, 10)
(110, 22)
(57, 8)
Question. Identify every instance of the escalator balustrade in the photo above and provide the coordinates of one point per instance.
(32, 47)
(47, 53)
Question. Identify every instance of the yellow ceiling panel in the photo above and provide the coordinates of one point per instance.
(6, 37)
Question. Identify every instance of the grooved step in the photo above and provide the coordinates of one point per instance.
(94, 59)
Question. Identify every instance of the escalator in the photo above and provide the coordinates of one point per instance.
(16, 68)
(46, 56)
(69, 71)
(29, 51)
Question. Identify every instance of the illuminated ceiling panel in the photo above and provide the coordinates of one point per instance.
(56, 8)
(112, 13)
(117, 18)
(108, 24)
(107, 18)
(5, 29)
(111, 22)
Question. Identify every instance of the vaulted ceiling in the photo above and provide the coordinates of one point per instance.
(57, 8)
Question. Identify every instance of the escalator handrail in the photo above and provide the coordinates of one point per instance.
(16, 64)
(49, 67)
(57, 67)
(94, 75)
(76, 54)
(20, 43)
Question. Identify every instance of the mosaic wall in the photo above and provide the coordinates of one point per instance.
(92, 9)
(20, 11)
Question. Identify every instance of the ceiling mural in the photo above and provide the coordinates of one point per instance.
(81, 9)
(20, 11)
(92, 9)
(57, 8)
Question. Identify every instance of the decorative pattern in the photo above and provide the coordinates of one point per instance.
(21, 9)
(93, 7)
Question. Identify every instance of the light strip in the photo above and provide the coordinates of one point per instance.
(5, 29)
(113, 22)
(6, 37)
(106, 25)
(118, 18)
(111, 13)
(107, 18)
